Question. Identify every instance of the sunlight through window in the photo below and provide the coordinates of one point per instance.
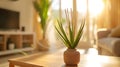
(66, 4)
(95, 7)
(82, 6)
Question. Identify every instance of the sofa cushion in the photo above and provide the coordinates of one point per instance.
(111, 43)
(108, 41)
(115, 32)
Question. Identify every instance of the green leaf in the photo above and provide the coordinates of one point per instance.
(79, 34)
(70, 39)
(71, 35)
(62, 37)
(63, 33)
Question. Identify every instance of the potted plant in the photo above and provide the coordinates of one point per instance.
(42, 7)
(70, 38)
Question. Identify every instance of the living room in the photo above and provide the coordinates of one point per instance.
(26, 35)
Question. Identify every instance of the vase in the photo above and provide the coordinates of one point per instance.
(71, 57)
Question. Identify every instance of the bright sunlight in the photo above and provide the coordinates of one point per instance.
(95, 6)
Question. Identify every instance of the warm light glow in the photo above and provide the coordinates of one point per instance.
(95, 7)
(96, 61)
(92, 51)
(66, 4)
(82, 6)
(38, 19)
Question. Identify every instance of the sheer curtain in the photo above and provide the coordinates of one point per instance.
(109, 18)
(84, 8)
(114, 13)
(79, 8)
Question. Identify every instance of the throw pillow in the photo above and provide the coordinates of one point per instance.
(115, 32)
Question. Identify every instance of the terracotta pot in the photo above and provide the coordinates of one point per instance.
(71, 57)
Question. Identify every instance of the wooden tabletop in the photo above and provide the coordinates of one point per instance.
(56, 60)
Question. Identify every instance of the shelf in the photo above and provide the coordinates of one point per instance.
(27, 41)
(2, 39)
(16, 51)
(22, 41)
(2, 47)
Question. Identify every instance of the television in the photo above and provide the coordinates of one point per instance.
(9, 20)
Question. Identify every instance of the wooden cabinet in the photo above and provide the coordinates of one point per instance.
(21, 41)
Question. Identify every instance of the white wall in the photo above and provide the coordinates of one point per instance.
(25, 7)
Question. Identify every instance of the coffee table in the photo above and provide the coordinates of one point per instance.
(56, 60)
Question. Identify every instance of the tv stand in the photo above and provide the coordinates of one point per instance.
(22, 41)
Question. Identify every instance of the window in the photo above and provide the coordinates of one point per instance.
(95, 7)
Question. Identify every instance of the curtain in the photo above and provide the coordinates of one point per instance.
(114, 13)
(109, 18)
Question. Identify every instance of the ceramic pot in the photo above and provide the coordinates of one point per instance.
(71, 57)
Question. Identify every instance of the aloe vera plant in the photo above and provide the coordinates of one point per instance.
(72, 37)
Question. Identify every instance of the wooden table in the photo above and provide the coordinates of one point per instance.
(56, 60)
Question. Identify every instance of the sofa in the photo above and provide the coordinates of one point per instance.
(108, 42)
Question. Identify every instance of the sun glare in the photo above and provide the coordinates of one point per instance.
(66, 4)
(95, 7)
(82, 6)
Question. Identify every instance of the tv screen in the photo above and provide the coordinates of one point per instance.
(9, 19)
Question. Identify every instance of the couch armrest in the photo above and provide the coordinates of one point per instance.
(103, 33)
(116, 48)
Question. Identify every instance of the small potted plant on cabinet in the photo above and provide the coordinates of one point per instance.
(70, 38)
